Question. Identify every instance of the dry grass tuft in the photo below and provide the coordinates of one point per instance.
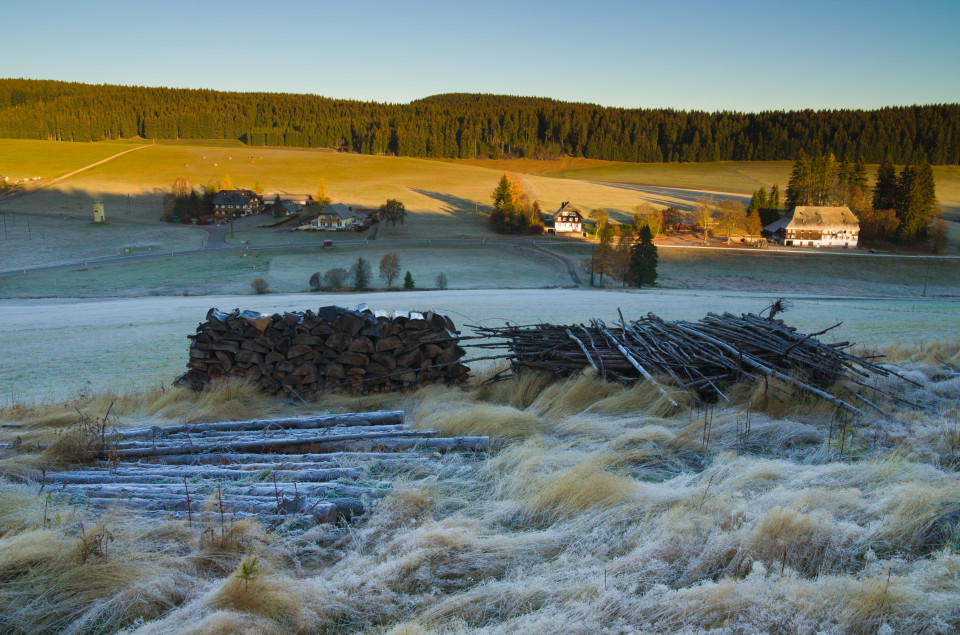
(519, 392)
(587, 485)
(498, 422)
(573, 395)
(254, 588)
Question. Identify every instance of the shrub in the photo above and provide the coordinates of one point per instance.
(441, 280)
(335, 277)
(260, 286)
(315, 281)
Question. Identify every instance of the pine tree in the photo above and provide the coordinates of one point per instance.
(885, 187)
(408, 282)
(277, 207)
(226, 183)
(643, 260)
(361, 274)
(801, 181)
(916, 202)
(774, 200)
(758, 200)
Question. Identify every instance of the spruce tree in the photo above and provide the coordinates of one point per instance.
(885, 188)
(408, 282)
(643, 260)
(361, 274)
(774, 200)
(277, 207)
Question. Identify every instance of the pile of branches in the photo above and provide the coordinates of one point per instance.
(317, 469)
(699, 357)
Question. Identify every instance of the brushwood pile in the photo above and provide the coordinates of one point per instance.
(350, 351)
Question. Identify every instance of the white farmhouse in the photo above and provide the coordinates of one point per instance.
(808, 226)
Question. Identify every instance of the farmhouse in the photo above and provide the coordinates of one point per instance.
(235, 203)
(337, 216)
(568, 219)
(815, 227)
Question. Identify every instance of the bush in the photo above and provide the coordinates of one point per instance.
(260, 286)
(335, 277)
(441, 280)
(315, 281)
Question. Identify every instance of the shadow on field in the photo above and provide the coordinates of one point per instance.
(453, 204)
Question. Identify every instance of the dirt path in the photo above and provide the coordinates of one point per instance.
(87, 167)
(571, 269)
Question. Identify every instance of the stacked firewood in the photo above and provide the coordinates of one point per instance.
(699, 357)
(304, 468)
(358, 352)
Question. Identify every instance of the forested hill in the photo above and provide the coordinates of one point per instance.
(465, 125)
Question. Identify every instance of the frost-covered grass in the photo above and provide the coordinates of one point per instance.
(56, 348)
(38, 241)
(600, 509)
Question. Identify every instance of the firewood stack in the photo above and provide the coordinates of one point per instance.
(356, 352)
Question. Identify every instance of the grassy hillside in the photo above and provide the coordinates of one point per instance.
(26, 159)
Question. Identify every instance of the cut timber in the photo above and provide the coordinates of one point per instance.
(394, 417)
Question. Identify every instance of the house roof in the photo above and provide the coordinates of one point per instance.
(342, 211)
(811, 217)
(567, 208)
(234, 197)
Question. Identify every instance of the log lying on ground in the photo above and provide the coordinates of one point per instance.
(388, 418)
(356, 352)
(698, 357)
(275, 469)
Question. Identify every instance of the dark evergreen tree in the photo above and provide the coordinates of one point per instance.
(916, 203)
(885, 187)
(360, 271)
(408, 281)
(644, 259)
(774, 200)
(277, 207)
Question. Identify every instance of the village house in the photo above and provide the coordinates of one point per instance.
(568, 219)
(228, 203)
(808, 226)
(337, 216)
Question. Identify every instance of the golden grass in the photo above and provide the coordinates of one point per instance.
(498, 422)
(585, 486)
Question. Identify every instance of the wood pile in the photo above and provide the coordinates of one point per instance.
(357, 352)
(278, 469)
(699, 357)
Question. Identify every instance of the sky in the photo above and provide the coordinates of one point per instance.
(683, 54)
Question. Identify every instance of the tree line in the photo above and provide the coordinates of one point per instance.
(468, 125)
(901, 208)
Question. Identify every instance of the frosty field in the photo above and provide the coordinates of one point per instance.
(58, 348)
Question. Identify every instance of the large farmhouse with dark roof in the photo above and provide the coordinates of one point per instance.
(228, 203)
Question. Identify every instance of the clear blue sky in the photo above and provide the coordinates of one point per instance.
(684, 54)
